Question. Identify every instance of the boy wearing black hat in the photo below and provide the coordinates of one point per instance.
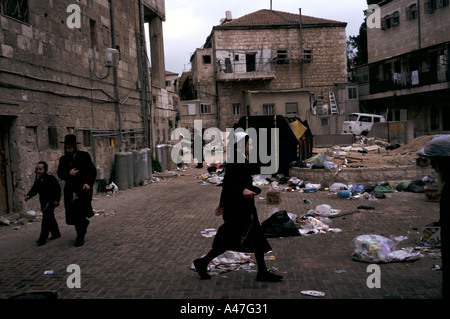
(77, 170)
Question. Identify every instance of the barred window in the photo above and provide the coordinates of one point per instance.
(205, 108)
(17, 9)
(268, 109)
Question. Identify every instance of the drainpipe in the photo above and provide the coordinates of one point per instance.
(302, 84)
(115, 73)
(418, 24)
(144, 74)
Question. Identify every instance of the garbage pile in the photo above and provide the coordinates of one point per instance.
(365, 152)
(378, 249)
(214, 174)
(229, 261)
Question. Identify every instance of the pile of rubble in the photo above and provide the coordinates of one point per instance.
(370, 152)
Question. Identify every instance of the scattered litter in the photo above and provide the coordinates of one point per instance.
(340, 271)
(378, 249)
(313, 293)
(209, 232)
(279, 224)
(48, 272)
(366, 207)
(229, 261)
(436, 267)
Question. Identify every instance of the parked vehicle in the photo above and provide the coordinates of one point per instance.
(360, 123)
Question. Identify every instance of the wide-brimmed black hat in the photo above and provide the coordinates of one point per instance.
(70, 139)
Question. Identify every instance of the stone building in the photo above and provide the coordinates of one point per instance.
(268, 62)
(78, 68)
(407, 76)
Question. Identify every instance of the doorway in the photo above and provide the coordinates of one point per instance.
(5, 198)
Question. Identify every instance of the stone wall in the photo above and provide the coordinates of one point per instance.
(364, 176)
(49, 87)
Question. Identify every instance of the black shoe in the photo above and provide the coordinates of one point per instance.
(79, 242)
(54, 237)
(202, 269)
(41, 242)
(268, 276)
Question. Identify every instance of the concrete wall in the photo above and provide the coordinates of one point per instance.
(364, 176)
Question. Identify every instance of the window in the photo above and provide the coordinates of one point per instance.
(268, 109)
(324, 121)
(206, 59)
(307, 56)
(366, 119)
(411, 12)
(395, 19)
(86, 138)
(250, 62)
(167, 83)
(205, 108)
(444, 3)
(93, 32)
(236, 57)
(282, 57)
(430, 6)
(386, 22)
(52, 138)
(17, 9)
(291, 108)
(352, 93)
(446, 115)
(236, 109)
(191, 109)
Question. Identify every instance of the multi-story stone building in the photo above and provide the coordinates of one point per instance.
(268, 62)
(407, 76)
(56, 78)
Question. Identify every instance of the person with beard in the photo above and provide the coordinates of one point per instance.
(47, 186)
(241, 230)
(437, 151)
(77, 170)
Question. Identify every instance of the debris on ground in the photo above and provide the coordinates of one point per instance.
(373, 248)
(229, 261)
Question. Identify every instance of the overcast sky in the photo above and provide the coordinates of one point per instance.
(189, 23)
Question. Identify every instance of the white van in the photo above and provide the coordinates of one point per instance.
(360, 123)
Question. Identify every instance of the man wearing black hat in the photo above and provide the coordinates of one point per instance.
(77, 170)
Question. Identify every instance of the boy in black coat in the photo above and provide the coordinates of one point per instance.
(78, 172)
(47, 186)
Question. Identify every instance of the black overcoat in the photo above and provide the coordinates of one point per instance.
(73, 187)
(239, 213)
(47, 186)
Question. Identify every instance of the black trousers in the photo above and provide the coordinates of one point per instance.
(49, 223)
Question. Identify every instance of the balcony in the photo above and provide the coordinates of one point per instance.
(246, 71)
(401, 81)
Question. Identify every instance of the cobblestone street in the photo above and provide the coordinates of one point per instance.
(143, 241)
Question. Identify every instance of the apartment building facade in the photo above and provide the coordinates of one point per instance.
(407, 76)
(79, 68)
(268, 62)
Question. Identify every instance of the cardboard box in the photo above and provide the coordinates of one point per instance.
(432, 194)
(431, 235)
(273, 198)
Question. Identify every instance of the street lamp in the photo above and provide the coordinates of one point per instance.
(110, 62)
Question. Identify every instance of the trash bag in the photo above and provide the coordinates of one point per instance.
(378, 249)
(418, 186)
(279, 224)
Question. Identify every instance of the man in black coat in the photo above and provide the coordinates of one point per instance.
(78, 172)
